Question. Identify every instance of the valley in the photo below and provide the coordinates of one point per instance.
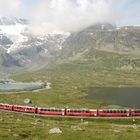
(97, 57)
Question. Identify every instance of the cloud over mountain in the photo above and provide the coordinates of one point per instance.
(69, 15)
(10, 8)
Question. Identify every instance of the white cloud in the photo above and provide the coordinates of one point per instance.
(69, 15)
(9, 7)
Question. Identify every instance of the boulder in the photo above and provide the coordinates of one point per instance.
(55, 131)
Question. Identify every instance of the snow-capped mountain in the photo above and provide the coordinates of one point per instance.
(12, 21)
(12, 32)
(21, 47)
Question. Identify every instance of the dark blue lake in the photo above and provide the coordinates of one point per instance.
(128, 97)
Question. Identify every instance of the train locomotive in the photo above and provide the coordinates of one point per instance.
(72, 112)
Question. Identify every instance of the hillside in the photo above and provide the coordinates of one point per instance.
(24, 50)
(80, 65)
(104, 37)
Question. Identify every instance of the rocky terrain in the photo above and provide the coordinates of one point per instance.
(20, 49)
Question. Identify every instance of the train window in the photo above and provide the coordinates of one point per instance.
(77, 111)
(137, 111)
(43, 110)
(117, 111)
(113, 111)
(106, 111)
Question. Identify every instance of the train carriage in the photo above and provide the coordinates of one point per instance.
(81, 112)
(6, 106)
(113, 112)
(73, 112)
(26, 109)
(135, 112)
(51, 111)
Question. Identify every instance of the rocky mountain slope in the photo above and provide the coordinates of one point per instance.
(20, 49)
(104, 37)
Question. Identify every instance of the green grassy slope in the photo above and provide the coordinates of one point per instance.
(70, 80)
(15, 126)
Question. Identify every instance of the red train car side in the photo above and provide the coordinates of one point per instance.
(73, 112)
(81, 112)
(6, 106)
(113, 112)
(51, 111)
(26, 109)
(135, 112)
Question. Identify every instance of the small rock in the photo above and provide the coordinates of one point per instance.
(1, 119)
(55, 131)
(38, 120)
(18, 120)
(76, 128)
(85, 123)
(27, 101)
(134, 126)
(134, 120)
(82, 120)
(15, 135)
(9, 130)
(117, 131)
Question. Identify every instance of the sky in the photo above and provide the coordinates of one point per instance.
(72, 15)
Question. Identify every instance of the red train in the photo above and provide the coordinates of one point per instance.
(73, 112)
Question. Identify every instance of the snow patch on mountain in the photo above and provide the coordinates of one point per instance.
(23, 48)
(13, 29)
(17, 43)
(12, 21)
(15, 33)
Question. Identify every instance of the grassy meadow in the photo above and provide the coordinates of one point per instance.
(70, 80)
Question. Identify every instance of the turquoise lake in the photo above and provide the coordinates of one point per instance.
(20, 86)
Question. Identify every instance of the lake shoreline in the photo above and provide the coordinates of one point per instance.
(7, 86)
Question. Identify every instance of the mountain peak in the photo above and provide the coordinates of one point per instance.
(12, 21)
